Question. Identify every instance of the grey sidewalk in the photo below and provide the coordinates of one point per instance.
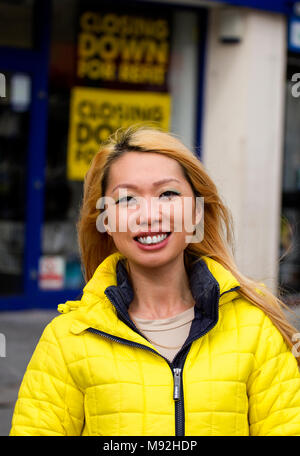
(22, 330)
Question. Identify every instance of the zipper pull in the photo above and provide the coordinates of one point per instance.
(177, 381)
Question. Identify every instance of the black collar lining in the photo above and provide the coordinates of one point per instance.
(204, 288)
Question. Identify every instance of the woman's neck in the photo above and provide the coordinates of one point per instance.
(160, 292)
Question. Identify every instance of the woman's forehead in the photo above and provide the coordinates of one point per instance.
(154, 166)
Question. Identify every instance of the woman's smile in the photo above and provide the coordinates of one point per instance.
(152, 241)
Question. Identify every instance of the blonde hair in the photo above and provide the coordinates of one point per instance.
(218, 241)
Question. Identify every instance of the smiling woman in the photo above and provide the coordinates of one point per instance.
(169, 337)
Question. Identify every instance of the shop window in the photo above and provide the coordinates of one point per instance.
(14, 127)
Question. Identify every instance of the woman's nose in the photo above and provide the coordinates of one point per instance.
(149, 212)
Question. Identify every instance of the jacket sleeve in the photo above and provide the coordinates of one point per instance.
(274, 386)
(49, 403)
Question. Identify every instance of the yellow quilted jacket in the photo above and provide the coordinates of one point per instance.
(93, 373)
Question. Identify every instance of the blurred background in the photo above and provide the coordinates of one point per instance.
(224, 76)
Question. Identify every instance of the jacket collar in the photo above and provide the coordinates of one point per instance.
(106, 297)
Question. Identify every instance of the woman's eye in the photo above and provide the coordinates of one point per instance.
(169, 193)
(132, 200)
(126, 199)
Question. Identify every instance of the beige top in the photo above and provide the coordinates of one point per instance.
(169, 334)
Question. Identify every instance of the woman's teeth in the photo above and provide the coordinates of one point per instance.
(152, 239)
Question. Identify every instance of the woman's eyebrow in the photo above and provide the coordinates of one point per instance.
(155, 184)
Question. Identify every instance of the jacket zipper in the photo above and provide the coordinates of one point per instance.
(178, 395)
(179, 402)
(177, 381)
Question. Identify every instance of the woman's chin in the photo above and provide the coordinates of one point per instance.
(153, 261)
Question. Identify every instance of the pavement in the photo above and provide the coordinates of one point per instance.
(21, 331)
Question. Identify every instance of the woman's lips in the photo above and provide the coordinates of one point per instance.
(156, 246)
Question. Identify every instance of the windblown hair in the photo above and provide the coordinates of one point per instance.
(218, 240)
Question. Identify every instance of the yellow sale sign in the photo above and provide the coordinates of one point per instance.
(97, 113)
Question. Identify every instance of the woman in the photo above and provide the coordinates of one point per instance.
(169, 338)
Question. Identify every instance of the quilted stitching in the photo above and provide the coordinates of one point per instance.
(238, 379)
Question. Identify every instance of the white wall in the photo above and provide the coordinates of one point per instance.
(242, 134)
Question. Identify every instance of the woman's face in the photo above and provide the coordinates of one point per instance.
(151, 208)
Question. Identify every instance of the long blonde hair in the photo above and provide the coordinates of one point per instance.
(218, 241)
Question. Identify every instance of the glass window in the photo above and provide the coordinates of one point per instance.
(60, 263)
(14, 127)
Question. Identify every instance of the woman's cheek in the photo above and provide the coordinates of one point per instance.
(173, 216)
(134, 220)
(127, 221)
